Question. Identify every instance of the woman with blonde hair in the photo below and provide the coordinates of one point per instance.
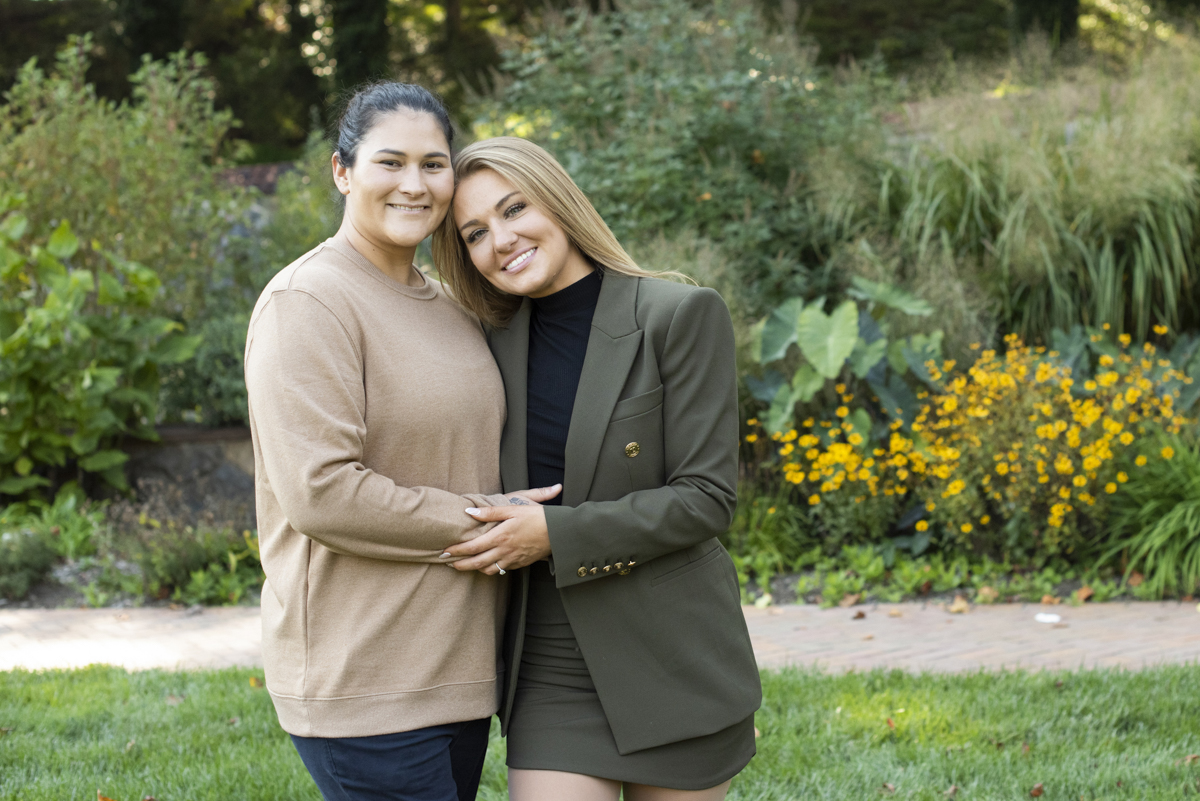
(629, 663)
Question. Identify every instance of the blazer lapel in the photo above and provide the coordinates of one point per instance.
(510, 347)
(612, 347)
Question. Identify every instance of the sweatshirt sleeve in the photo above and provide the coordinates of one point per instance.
(700, 433)
(305, 386)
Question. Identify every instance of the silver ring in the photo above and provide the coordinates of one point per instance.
(502, 570)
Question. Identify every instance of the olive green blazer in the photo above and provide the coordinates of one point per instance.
(650, 482)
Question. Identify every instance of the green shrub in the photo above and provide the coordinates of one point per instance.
(70, 525)
(141, 176)
(1155, 521)
(80, 351)
(25, 558)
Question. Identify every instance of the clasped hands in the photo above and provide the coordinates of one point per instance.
(520, 537)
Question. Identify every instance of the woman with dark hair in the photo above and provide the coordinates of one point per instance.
(630, 669)
(376, 412)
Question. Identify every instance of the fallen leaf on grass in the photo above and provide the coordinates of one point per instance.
(102, 797)
(958, 606)
(149, 798)
(887, 788)
(893, 612)
(237, 721)
(986, 595)
(1135, 579)
(953, 791)
(1083, 593)
(1024, 748)
(5, 730)
(256, 682)
(1189, 759)
(1037, 790)
(859, 615)
(174, 700)
(129, 746)
(890, 724)
(1050, 600)
(849, 599)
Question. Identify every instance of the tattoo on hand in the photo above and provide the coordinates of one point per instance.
(517, 500)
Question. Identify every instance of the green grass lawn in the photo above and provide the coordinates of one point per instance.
(212, 735)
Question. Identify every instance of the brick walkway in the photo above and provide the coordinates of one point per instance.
(908, 636)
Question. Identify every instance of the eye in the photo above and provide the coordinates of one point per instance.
(434, 165)
(473, 237)
(514, 210)
(390, 163)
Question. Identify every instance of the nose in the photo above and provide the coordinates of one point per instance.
(412, 181)
(504, 239)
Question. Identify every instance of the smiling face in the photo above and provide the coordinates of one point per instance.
(517, 247)
(401, 184)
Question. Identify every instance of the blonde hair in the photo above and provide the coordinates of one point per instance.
(545, 184)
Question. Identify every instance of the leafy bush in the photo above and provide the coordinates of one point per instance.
(1155, 520)
(80, 352)
(141, 176)
(1012, 457)
(25, 558)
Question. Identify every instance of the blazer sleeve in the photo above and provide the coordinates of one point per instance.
(700, 433)
(305, 386)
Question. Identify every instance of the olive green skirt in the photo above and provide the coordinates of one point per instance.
(558, 723)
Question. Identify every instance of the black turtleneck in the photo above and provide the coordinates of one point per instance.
(559, 326)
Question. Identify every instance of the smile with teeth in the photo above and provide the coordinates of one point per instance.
(405, 207)
(519, 261)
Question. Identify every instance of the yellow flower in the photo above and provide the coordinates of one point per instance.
(930, 506)
(771, 511)
(1064, 493)
(753, 421)
(1124, 339)
(813, 500)
(1160, 329)
(922, 525)
(1106, 361)
(1168, 452)
(1043, 479)
(855, 439)
(1079, 481)
(808, 423)
(1122, 477)
(1140, 461)
(966, 528)
(1126, 438)
(752, 438)
(1110, 488)
(1002, 468)
(983, 521)
(842, 411)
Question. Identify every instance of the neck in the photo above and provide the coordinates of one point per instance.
(393, 261)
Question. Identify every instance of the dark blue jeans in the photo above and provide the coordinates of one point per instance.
(439, 763)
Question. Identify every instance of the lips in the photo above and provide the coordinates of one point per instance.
(408, 208)
(518, 262)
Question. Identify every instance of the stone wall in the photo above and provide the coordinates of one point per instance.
(196, 475)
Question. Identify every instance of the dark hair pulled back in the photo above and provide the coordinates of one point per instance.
(372, 101)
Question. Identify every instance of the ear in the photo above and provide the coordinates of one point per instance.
(341, 174)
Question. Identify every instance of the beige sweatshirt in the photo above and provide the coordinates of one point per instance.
(376, 411)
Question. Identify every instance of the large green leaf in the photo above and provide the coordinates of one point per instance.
(890, 296)
(63, 244)
(14, 227)
(10, 262)
(111, 291)
(103, 460)
(827, 340)
(779, 330)
(176, 348)
(806, 383)
(866, 355)
(15, 485)
(779, 416)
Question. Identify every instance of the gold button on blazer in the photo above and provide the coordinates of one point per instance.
(663, 634)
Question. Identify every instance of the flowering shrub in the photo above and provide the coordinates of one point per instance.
(1013, 455)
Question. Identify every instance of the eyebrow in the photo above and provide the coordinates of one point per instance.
(437, 154)
(499, 203)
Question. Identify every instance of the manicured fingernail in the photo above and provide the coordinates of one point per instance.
(445, 556)
(472, 511)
